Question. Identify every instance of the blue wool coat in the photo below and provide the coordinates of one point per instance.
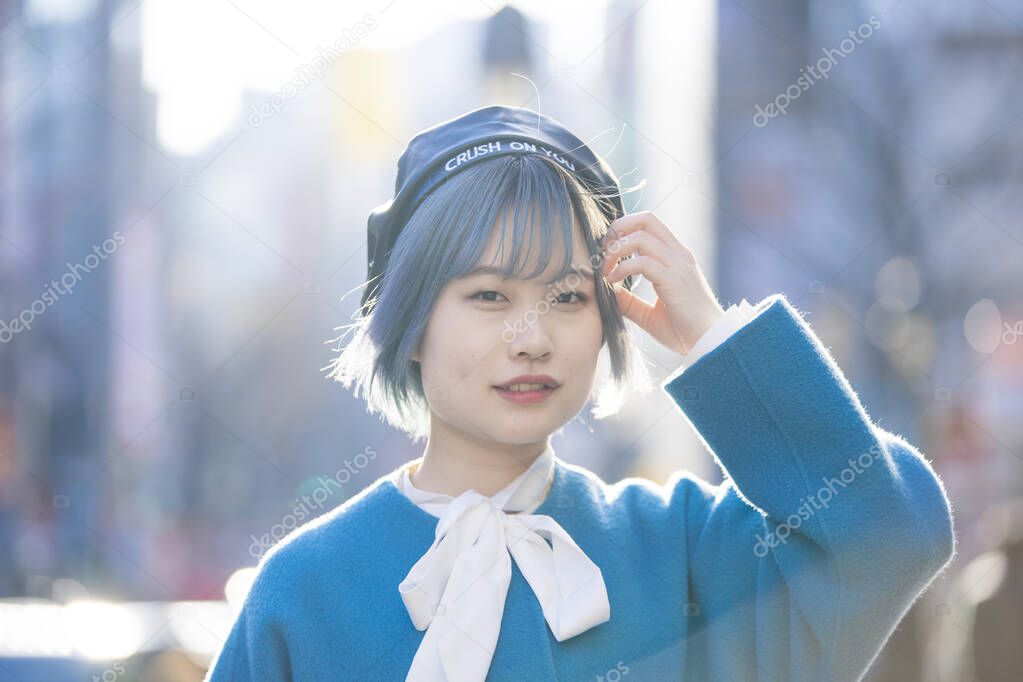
(797, 567)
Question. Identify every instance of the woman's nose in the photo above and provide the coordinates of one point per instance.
(528, 336)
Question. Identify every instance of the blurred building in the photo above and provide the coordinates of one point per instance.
(877, 193)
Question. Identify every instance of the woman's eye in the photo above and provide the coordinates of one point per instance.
(581, 298)
(489, 296)
(478, 294)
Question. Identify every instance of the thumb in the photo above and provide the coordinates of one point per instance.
(632, 306)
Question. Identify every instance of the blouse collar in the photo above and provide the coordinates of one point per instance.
(524, 494)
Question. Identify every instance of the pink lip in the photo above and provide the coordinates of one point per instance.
(525, 396)
(532, 379)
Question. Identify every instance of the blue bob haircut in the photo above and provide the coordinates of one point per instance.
(443, 240)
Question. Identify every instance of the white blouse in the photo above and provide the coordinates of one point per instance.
(478, 536)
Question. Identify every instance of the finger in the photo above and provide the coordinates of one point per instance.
(644, 265)
(632, 306)
(645, 220)
(641, 242)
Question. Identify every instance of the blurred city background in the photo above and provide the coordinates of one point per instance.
(184, 189)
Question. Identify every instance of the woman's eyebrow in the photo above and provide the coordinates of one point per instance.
(485, 270)
(581, 270)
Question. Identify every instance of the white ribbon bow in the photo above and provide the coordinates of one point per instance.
(457, 589)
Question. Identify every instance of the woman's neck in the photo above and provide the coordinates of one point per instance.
(453, 465)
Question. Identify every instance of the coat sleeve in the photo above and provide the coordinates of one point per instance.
(826, 527)
(255, 649)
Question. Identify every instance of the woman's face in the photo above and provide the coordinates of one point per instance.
(484, 332)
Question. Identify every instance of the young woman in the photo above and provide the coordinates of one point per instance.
(498, 273)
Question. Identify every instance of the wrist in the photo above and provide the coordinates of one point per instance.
(703, 322)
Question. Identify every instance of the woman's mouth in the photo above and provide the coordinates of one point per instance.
(525, 393)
